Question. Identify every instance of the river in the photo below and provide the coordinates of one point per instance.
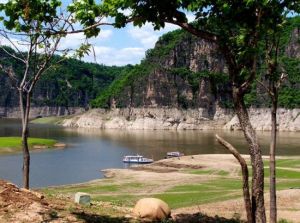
(90, 151)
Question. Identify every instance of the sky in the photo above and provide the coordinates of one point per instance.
(117, 46)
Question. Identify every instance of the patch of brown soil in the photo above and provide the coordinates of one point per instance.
(228, 162)
(19, 205)
(155, 168)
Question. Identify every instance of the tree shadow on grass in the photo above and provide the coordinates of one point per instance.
(95, 218)
(203, 218)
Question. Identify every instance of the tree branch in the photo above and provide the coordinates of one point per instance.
(245, 174)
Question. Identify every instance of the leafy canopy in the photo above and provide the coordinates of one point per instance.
(20, 15)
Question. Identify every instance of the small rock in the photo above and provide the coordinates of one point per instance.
(82, 198)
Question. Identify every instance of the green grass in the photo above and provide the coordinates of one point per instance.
(207, 171)
(283, 173)
(177, 200)
(119, 200)
(13, 144)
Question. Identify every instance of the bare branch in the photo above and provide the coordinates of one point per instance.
(12, 55)
(245, 174)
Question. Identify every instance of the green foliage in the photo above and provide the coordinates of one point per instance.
(71, 83)
(86, 11)
(165, 45)
(289, 97)
(21, 15)
(126, 78)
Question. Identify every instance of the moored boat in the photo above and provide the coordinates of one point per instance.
(174, 154)
(138, 159)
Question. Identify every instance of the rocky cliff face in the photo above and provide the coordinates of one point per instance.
(150, 119)
(169, 84)
(183, 71)
(293, 48)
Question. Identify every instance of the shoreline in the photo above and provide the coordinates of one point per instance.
(178, 119)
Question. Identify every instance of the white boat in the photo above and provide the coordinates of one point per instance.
(174, 154)
(138, 159)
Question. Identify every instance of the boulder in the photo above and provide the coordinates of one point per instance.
(82, 198)
(152, 209)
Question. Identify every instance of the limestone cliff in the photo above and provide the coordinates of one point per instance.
(180, 119)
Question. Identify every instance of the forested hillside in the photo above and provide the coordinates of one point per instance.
(72, 83)
(186, 72)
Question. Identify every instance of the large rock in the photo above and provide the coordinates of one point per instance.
(151, 209)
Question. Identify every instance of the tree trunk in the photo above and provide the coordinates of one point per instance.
(25, 108)
(258, 208)
(245, 174)
(273, 205)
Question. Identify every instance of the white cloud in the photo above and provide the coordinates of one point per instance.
(147, 36)
(72, 41)
(3, 1)
(105, 33)
(14, 43)
(114, 56)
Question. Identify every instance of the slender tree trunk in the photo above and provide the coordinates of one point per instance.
(258, 207)
(24, 100)
(273, 205)
(245, 174)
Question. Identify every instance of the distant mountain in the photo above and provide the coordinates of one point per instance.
(183, 71)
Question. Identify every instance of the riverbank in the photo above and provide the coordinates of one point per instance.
(193, 186)
(178, 119)
(11, 145)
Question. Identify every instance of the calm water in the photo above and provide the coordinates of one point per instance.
(90, 151)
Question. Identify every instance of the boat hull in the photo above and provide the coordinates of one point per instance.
(138, 162)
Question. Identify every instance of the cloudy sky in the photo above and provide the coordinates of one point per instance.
(117, 46)
(120, 46)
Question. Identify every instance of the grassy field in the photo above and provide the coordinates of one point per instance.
(214, 186)
(13, 144)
